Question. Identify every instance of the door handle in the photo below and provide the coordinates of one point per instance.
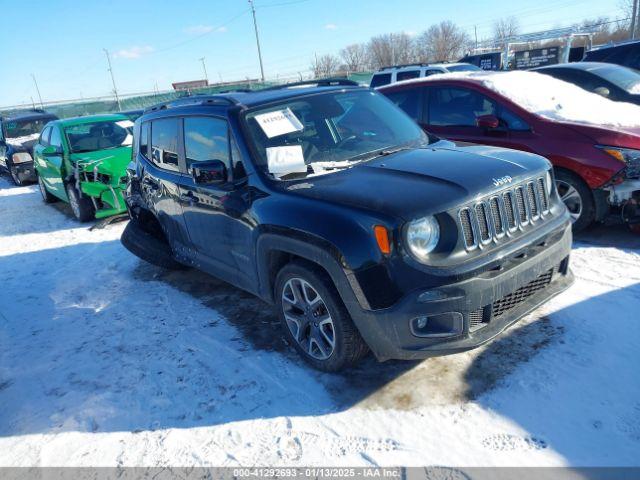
(189, 197)
(150, 183)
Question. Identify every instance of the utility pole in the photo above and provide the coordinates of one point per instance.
(37, 90)
(255, 26)
(113, 80)
(475, 31)
(634, 19)
(204, 67)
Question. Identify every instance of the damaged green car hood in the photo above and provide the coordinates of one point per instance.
(112, 162)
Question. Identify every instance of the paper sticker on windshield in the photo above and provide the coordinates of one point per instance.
(279, 122)
(125, 123)
(285, 160)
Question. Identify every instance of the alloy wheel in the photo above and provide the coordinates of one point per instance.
(73, 201)
(15, 177)
(43, 189)
(571, 198)
(308, 318)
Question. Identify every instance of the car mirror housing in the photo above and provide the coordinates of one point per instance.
(212, 172)
(487, 121)
(50, 151)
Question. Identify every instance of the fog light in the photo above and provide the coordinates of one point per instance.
(440, 325)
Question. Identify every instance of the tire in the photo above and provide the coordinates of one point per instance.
(80, 205)
(14, 177)
(46, 196)
(578, 198)
(347, 348)
(148, 247)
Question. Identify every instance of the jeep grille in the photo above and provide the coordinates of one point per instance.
(491, 218)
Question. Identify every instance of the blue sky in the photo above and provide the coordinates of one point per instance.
(159, 42)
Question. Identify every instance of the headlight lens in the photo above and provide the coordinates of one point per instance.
(628, 156)
(21, 157)
(422, 237)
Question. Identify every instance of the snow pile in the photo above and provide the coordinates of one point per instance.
(107, 361)
(19, 141)
(551, 98)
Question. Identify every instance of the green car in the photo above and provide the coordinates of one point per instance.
(83, 161)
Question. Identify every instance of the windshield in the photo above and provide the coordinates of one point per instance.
(322, 133)
(467, 67)
(622, 77)
(89, 137)
(25, 128)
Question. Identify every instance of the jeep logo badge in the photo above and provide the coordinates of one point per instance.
(498, 182)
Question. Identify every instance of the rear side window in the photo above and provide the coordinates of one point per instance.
(408, 100)
(206, 139)
(164, 143)
(44, 136)
(380, 79)
(407, 75)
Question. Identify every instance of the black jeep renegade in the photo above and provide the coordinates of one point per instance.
(329, 202)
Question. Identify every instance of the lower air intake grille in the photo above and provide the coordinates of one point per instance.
(476, 320)
(514, 299)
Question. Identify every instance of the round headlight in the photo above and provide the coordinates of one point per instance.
(549, 183)
(422, 237)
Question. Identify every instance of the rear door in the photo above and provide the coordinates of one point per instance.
(159, 154)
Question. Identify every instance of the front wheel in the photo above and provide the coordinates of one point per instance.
(314, 319)
(80, 205)
(46, 196)
(578, 199)
(14, 177)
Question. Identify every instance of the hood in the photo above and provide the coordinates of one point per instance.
(628, 137)
(423, 181)
(111, 162)
(23, 144)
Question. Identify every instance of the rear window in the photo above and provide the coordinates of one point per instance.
(463, 68)
(380, 79)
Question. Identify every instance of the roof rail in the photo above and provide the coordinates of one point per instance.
(406, 65)
(320, 82)
(191, 100)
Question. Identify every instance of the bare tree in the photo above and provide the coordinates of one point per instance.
(391, 49)
(325, 65)
(443, 42)
(504, 29)
(355, 57)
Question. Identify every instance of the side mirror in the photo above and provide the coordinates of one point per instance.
(212, 172)
(603, 91)
(488, 121)
(51, 151)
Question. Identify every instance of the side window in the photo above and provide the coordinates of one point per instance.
(458, 107)
(164, 143)
(407, 75)
(44, 137)
(512, 121)
(236, 159)
(56, 139)
(428, 73)
(144, 140)
(206, 139)
(380, 79)
(408, 100)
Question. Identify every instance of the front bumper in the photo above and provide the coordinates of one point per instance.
(25, 171)
(108, 197)
(498, 297)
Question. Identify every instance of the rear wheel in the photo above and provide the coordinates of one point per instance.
(314, 319)
(80, 205)
(46, 196)
(578, 199)
(148, 247)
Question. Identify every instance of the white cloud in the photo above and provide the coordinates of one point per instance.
(133, 52)
(411, 33)
(203, 29)
(330, 26)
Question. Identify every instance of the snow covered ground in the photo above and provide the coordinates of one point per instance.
(107, 361)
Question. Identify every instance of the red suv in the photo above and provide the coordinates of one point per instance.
(596, 167)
